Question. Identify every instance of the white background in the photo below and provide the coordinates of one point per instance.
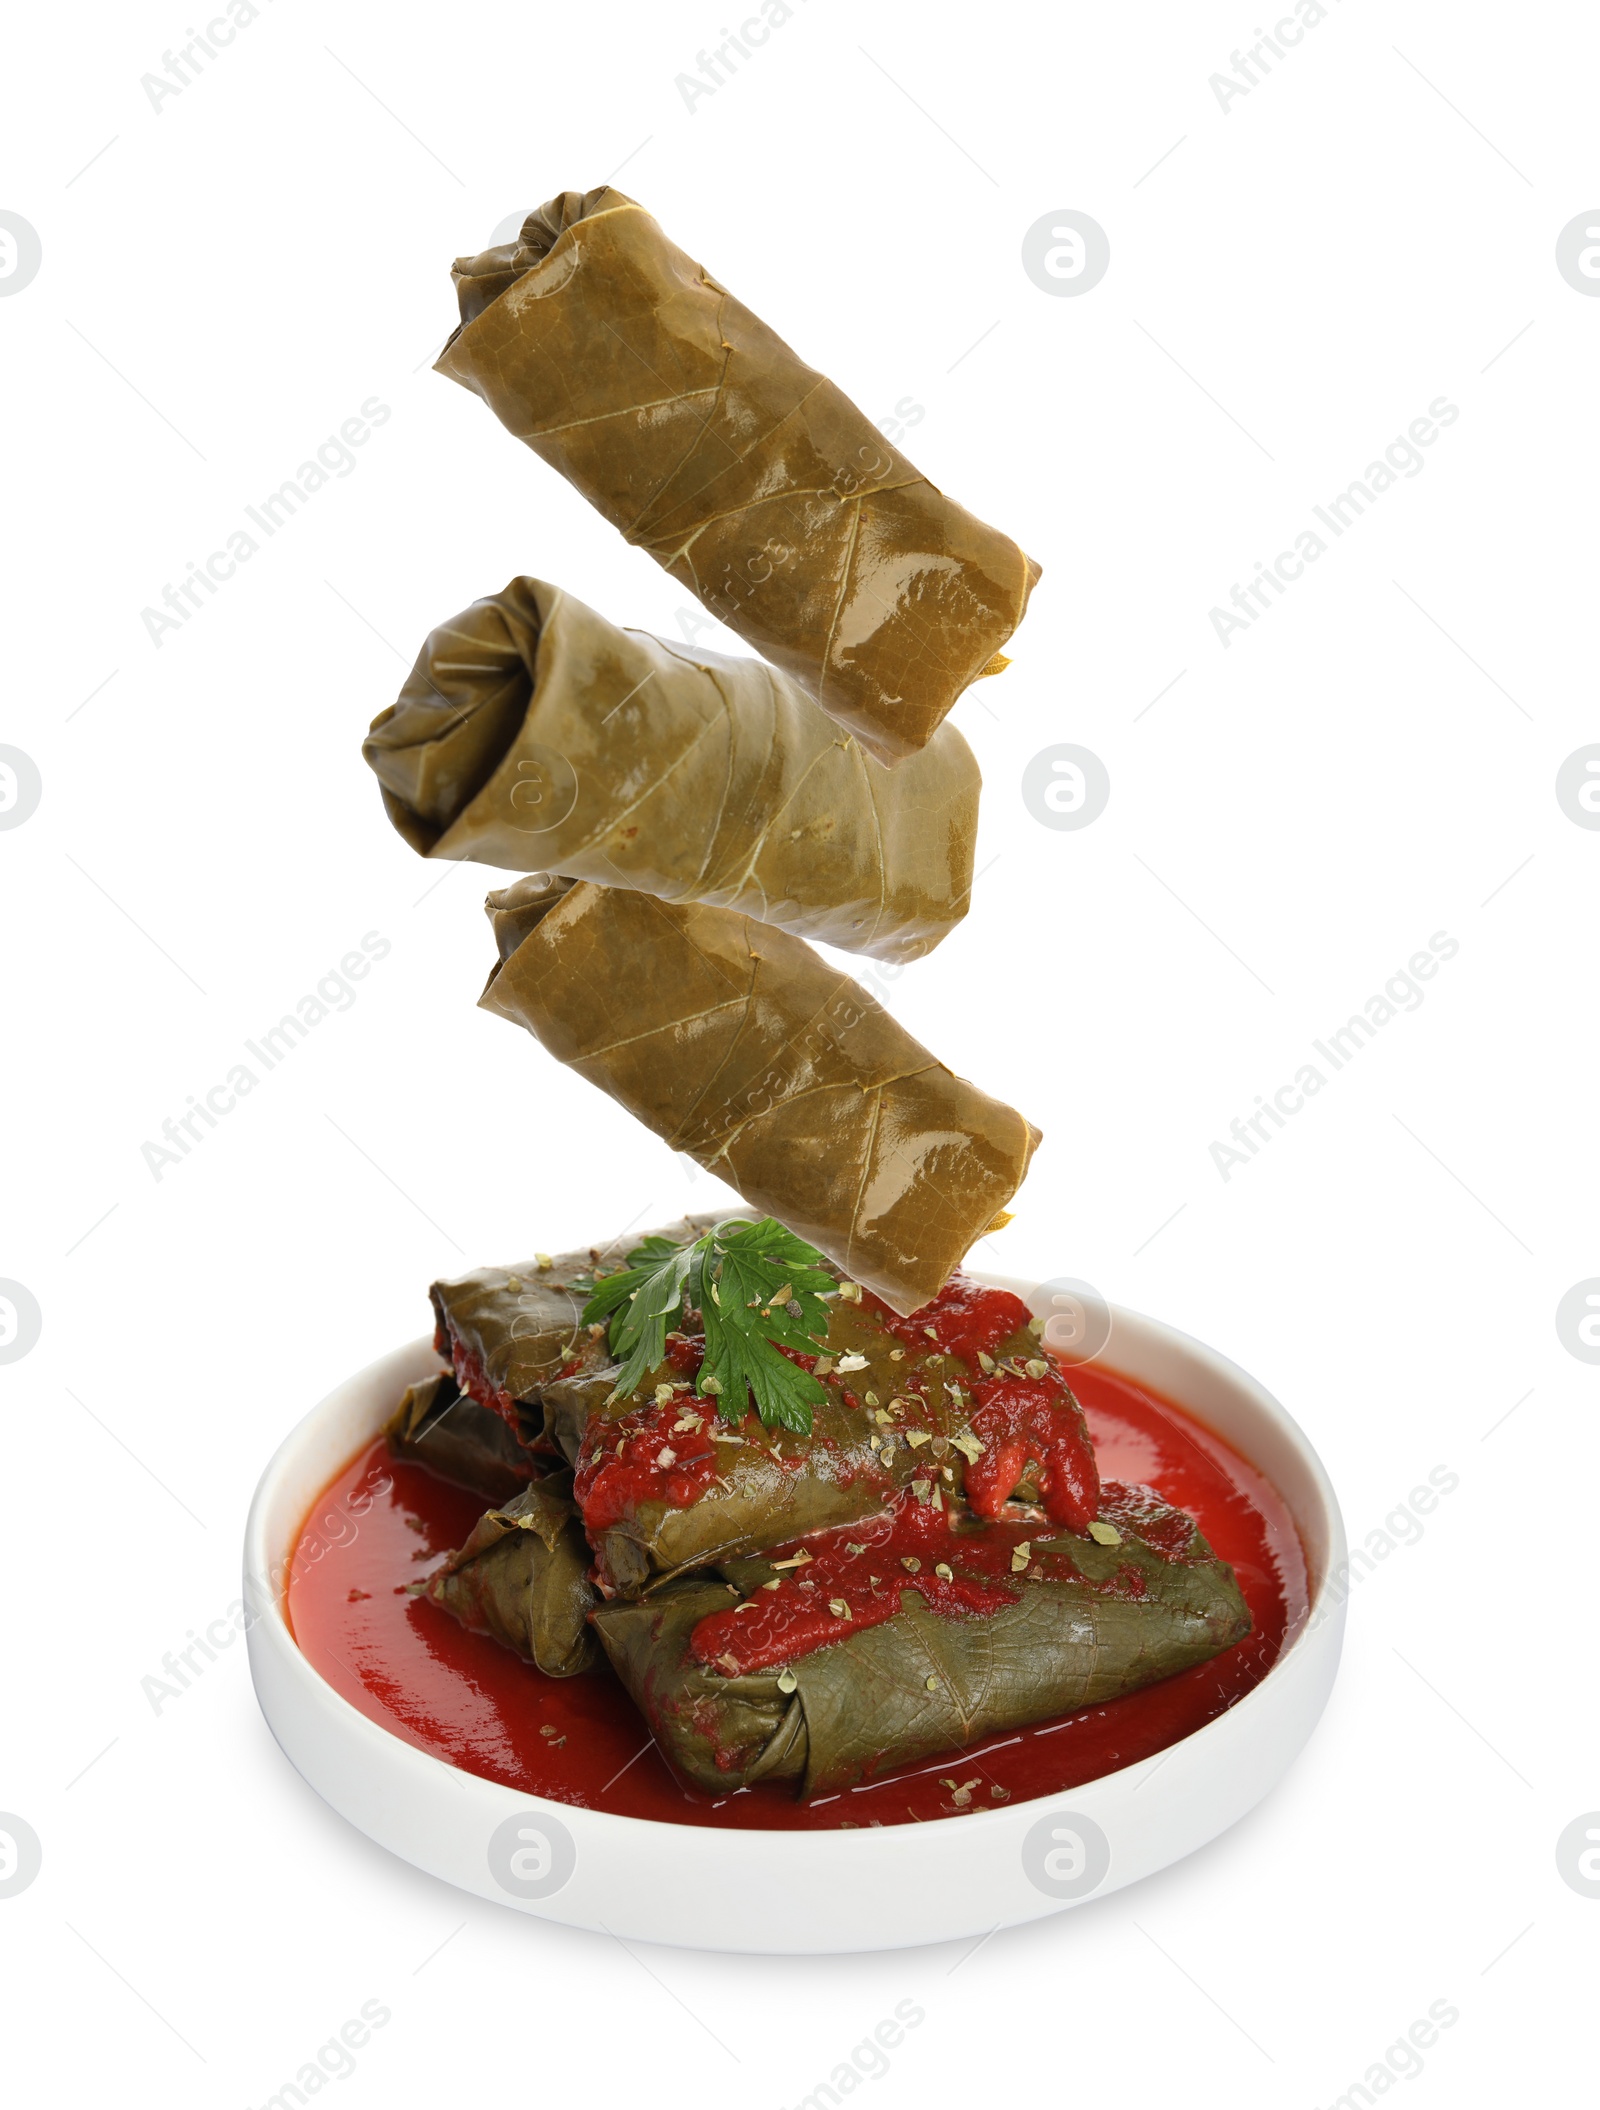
(1371, 227)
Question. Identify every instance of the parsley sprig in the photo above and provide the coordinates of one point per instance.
(757, 1289)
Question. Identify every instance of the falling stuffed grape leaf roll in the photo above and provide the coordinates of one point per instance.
(756, 482)
(535, 735)
(736, 1044)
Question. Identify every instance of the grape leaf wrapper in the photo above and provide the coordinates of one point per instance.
(764, 491)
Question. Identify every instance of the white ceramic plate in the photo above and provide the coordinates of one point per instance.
(802, 1891)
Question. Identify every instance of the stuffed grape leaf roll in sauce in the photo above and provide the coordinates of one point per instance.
(523, 1576)
(439, 1426)
(868, 1657)
(509, 1332)
(957, 1405)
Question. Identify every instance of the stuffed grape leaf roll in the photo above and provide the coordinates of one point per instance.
(439, 1426)
(737, 1044)
(509, 1333)
(523, 1577)
(756, 482)
(1018, 1626)
(958, 1403)
(910, 1414)
(534, 734)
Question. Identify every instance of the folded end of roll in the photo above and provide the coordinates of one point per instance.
(407, 823)
(515, 912)
(910, 1270)
(436, 746)
(480, 280)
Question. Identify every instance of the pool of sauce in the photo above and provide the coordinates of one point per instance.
(383, 1524)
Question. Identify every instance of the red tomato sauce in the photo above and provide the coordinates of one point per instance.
(837, 1582)
(383, 1524)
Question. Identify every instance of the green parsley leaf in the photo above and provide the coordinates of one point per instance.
(609, 1292)
(733, 1275)
(746, 1364)
(606, 1291)
(639, 1327)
